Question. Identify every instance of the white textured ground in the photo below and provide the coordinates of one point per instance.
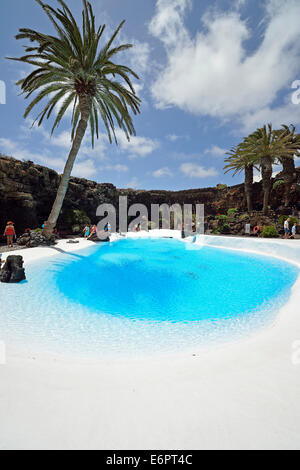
(241, 396)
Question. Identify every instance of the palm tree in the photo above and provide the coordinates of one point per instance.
(70, 70)
(265, 146)
(239, 162)
(288, 161)
(260, 146)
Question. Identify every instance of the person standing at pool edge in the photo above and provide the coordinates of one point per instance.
(286, 228)
(294, 231)
(9, 233)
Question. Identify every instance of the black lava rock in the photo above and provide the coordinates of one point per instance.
(104, 237)
(35, 239)
(13, 271)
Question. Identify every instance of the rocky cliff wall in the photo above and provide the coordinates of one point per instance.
(27, 192)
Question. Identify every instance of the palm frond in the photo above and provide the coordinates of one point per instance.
(73, 63)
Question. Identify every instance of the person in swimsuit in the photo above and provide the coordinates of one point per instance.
(86, 231)
(93, 231)
(9, 233)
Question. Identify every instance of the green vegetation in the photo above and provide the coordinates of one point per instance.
(225, 229)
(222, 218)
(76, 219)
(223, 226)
(278, 183)
(231, 212)
(269, 232)
(244, 217)
(222, 229)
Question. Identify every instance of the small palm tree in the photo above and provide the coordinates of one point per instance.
(238, 162)
(70, 70)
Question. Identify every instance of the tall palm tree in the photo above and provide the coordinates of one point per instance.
(288, 161)
(238, 162)
(70, 69)
(260, 147)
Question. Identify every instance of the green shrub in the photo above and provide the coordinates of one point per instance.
(222, 218)
(37, 230)
(76, 229)
(75, 218)
(244, 217)
(277, 184)
(269, 231)
(221, 186)
(231, 212)
(225, 229)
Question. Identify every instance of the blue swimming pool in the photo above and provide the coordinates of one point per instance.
(143, 296)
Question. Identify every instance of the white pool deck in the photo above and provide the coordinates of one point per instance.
(244, 395)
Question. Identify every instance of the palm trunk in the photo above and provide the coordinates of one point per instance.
(249, 186)
(266, 173)
(85, 108)
(289, 172)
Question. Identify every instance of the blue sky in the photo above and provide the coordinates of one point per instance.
(210, 73)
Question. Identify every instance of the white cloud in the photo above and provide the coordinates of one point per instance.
(118, 168)
(138, 146)
(186, 156)
(7, 145)
(60, 140)
(89, 162)
(192, 170)
(168, 24)
(162, 172)
(175, 137)
(239, 4)
(20, 152)
(138, 59)
(223, 79)
(86, 165)
(215, 151)
(84, 169)
(139, 56)
(134, 183)
(288, 113)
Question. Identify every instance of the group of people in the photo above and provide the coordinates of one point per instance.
(89, 232)
(287, 232)
(10, 233)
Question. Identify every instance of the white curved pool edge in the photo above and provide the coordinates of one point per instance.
(286, 250)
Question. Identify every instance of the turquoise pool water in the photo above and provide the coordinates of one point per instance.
(143, 296)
